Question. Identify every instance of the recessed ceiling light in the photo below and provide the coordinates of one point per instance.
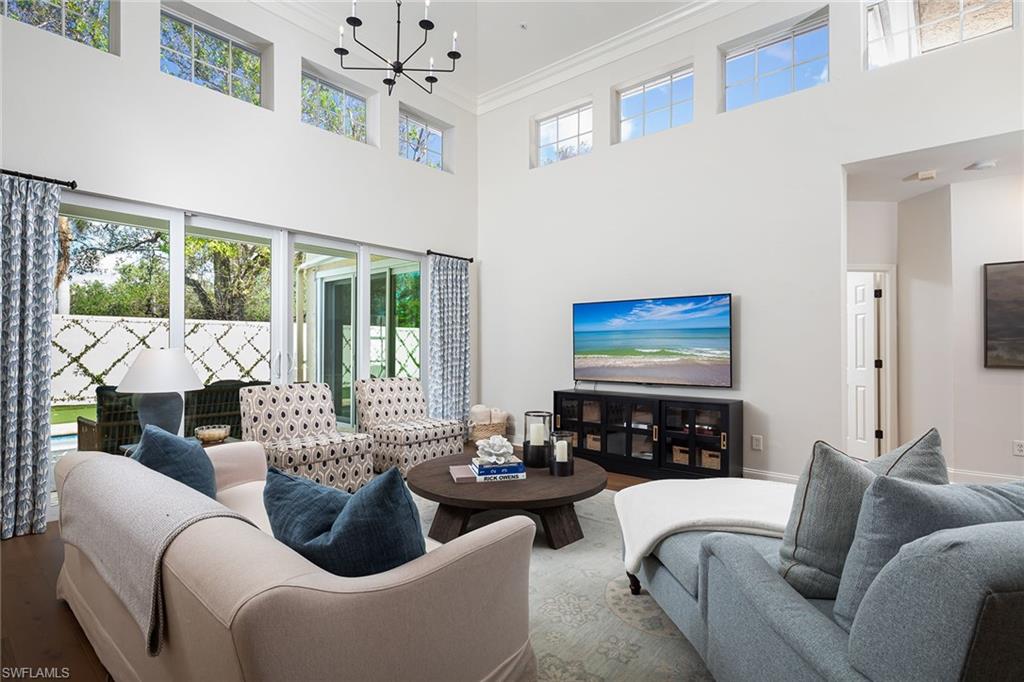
(921, 176)
(981, 165)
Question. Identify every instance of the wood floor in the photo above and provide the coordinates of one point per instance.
(37, 631)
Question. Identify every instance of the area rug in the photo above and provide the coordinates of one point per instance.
(585, 625)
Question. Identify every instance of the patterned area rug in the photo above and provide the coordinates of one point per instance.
(585, 625)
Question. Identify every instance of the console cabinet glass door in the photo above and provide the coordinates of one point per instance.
(710, 426)
(676, 435)
(630, 428)
(643, 430)
(568, 410)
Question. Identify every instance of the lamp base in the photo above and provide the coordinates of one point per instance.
(160, 409)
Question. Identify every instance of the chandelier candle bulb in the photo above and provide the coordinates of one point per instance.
(426, 10)
(354, 7)
(455, 41)
(341, 35)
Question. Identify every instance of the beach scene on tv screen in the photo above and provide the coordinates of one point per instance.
(683, 340)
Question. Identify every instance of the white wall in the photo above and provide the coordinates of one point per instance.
(987, 224)
(925, 328)
(945, 238)
(871, 232)
(750, 201)
(121, 128)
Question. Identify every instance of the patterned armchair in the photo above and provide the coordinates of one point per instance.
(296, 425)
(394, 412)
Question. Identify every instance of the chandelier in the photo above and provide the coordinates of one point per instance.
(397, 67)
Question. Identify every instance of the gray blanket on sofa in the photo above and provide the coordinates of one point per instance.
(123, 516)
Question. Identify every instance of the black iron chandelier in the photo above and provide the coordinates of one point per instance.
(397, 68)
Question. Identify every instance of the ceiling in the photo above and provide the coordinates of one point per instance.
(496, 48)
(882, 179)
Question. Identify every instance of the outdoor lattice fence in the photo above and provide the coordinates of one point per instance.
(89, 351)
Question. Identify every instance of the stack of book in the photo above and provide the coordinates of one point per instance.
(483, 471)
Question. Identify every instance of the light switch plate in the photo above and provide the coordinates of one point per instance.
(757, 442)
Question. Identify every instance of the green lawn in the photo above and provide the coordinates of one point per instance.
(69, 414)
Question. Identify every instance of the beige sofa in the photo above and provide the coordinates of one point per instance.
(242, 606)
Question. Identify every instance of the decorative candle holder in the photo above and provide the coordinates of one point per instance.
(536, 438)
(560, 462)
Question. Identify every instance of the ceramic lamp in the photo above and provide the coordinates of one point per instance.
(157, 378)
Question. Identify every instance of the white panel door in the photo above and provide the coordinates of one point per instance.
(861, 376)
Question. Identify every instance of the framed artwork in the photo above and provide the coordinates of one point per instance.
(1004, 315)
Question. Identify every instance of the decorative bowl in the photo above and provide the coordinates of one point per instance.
(214, 433)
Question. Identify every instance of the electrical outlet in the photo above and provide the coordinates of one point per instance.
(757, 442)
(1018, 448)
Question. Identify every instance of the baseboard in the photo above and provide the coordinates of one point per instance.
(968, 476)
(769, 475)
(955, 476)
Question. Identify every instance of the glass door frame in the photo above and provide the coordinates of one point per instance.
(280, 311)
(403, 263)
(175, 221)
(283, 298)
(282, 244)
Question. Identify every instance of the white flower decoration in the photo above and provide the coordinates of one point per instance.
(496, 449)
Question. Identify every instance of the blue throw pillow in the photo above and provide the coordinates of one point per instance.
(181, 459)
(371, 531)
(896, 512)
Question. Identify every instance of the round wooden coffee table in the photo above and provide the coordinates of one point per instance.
(550, 497)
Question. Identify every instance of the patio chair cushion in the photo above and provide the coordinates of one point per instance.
(417, 431)
(316, 447)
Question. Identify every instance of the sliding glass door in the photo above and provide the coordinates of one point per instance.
(245, 302)
(227, 305)
(394, 317)
(324, 321)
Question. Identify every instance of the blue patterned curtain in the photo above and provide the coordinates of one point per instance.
(28, 251)
(448, 390)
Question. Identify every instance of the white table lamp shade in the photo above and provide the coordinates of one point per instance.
(160, 370)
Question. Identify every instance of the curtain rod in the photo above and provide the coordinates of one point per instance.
(70, 184)
(447, 255)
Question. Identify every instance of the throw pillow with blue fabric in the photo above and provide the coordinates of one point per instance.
(828, 496)
(176, 457)
(896, 512)
(370, 531)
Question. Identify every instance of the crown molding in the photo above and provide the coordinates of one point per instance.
(310, 18)
(657, 30)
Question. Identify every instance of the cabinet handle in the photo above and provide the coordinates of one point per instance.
(725, 440)
(654, 438)
(558, 421)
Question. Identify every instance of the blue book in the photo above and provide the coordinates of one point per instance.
(482, 467)
(498, 470)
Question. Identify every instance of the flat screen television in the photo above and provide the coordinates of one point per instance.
(680, 341)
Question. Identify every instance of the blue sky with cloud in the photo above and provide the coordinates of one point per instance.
(689, 312)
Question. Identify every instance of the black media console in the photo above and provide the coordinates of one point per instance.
(654, 436)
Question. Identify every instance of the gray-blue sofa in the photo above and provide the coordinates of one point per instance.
(949, 606)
